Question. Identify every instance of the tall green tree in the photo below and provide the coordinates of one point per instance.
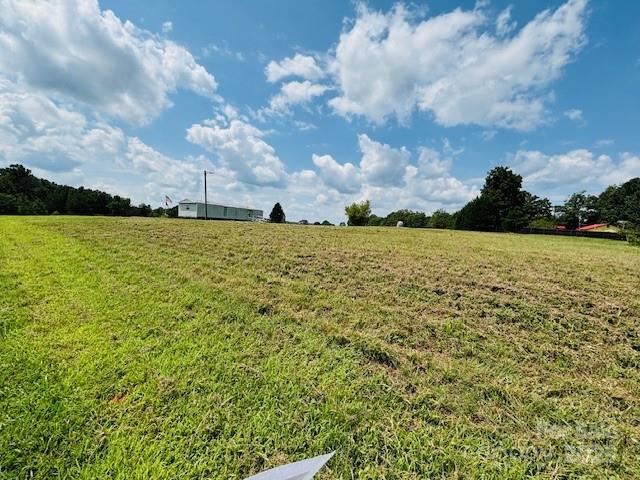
(503, 191)
(277, 214)
(621, 203)
(580, 209)
(479, 214)
(536, 208)
(502, 205)
(358, 213)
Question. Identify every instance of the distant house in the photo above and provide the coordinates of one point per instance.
(304, 222)
(190, 209)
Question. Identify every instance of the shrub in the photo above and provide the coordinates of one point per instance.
(633, 237)
(542, 223)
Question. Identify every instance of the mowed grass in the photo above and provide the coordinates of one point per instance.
(156, 348)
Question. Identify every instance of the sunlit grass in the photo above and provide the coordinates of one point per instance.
(153, 348)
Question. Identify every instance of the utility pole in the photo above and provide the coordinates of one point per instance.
(205, 195)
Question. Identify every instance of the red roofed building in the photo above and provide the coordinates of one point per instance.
(594, 226)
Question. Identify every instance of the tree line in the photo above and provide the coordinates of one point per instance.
(503, 205)
(22, 193)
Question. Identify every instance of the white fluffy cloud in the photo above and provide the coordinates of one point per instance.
(574, 169)
(75, 49)
(68, 147)
(504, 23)
(66, 62)
(345, 178)
(49, 136)
(627, 167)
(164, 174)
(387, 176)
(391, 63)
(446, 190)
(431, 163)
(144, 158)
(431, 179)
(382, 165)
(574, 114)
(240, 148)
(294, 93)
(299, 65)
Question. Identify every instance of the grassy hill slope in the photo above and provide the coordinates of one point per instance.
(155, 348)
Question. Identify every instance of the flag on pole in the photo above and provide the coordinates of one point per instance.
(303, 470)
(167, 200)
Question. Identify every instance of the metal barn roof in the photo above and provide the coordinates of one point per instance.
(186, 200)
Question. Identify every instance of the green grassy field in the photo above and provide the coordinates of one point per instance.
(156, 348)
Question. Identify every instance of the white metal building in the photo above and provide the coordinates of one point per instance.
(190, 209)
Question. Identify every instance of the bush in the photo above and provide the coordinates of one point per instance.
(633, 237)
(547, 223)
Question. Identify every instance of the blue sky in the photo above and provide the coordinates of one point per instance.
(318, 104)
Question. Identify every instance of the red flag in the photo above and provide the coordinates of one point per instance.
(167, 200)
